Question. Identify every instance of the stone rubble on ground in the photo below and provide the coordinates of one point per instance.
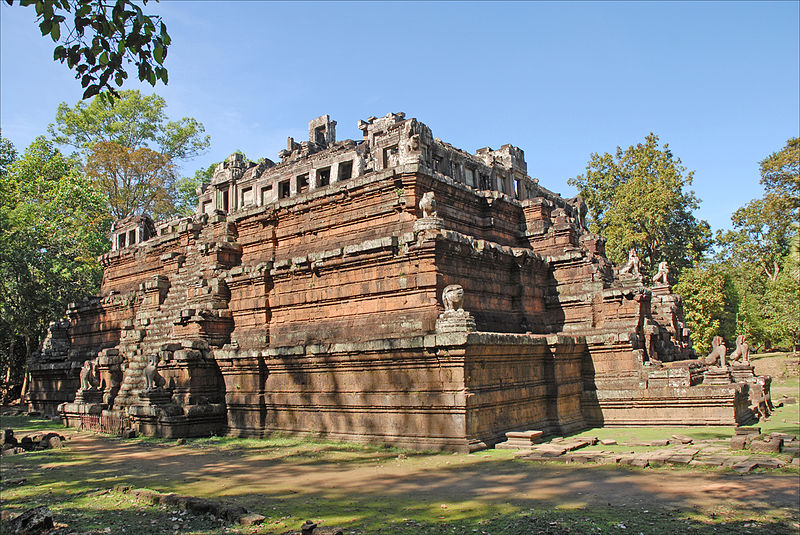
(679, 450)
(10, 445)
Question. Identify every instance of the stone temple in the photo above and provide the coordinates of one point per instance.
(393, 289)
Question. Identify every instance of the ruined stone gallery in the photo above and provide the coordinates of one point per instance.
(393, 289)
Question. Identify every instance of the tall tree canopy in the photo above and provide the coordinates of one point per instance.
(762, 253)
(780, 174)
(53, 226)
(637, 199)
(763, 229)
(133, 151)
(97, 38)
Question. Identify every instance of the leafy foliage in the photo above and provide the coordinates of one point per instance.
(760, 235)
(133, 121)
(636, 199)
(762, 253)
(97, 38)
(135, 180)
(783, 308)
(132, 151)
(709, 302)
(780, 174)
(52, 228)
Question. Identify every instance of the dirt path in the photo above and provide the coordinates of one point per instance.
(443, 478)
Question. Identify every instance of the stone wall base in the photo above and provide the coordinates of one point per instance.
(200, 421)
(700, 405)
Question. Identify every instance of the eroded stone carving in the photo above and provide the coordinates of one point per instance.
(454, 318)
(742, 351)
(453, 298)
(88, 376)
(718, 351)
(428, 205)
(633, 264)
(153, 381)
(663, 273)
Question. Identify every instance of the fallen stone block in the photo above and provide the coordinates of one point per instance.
(745, 466)
(680, 459)
(766, 446)
(706, 461)
(682, 439)
(747, 430)
(770, 463)
(608, 459)
(607, 441)
(738, 442)
(576, 444)
(251, 519)
(33, 521)
(659, 443)
(530, 436)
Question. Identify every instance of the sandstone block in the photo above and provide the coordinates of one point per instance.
(738, 442)
(766, 446)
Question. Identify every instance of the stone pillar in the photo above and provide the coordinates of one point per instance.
(312, 179)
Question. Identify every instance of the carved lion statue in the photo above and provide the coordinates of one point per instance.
(88, 375)
(742, 351)
(453, 298)
(717, 354)
(428, 205)
(663, 273)
(152, 379)
(633, 264)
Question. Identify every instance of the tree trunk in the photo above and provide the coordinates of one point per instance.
(23, 394)
(10, 361)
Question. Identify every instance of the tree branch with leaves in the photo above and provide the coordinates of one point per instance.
(98, 39)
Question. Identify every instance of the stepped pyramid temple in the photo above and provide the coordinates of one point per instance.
(393, 289)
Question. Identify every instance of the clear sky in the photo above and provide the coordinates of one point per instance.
(718, 81)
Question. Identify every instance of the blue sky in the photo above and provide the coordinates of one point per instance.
(718, 81)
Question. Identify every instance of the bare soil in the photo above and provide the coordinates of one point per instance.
(441, 478)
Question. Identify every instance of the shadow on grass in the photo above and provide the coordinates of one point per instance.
(376, 513)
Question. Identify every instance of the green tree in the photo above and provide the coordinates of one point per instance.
(760, 235)
(97, 38)
(637, 199)
(762, 253)
(709, 303)
(132, 150)
(783, 309)
(52, 228)
(780, 174)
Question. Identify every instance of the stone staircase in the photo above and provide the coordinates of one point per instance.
(191, 289)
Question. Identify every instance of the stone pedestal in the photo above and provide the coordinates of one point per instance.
(89, 396)
(717, 376)
(428, 223)
(659, 288)
(743, 373)
(155, 397)
(455, 321)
